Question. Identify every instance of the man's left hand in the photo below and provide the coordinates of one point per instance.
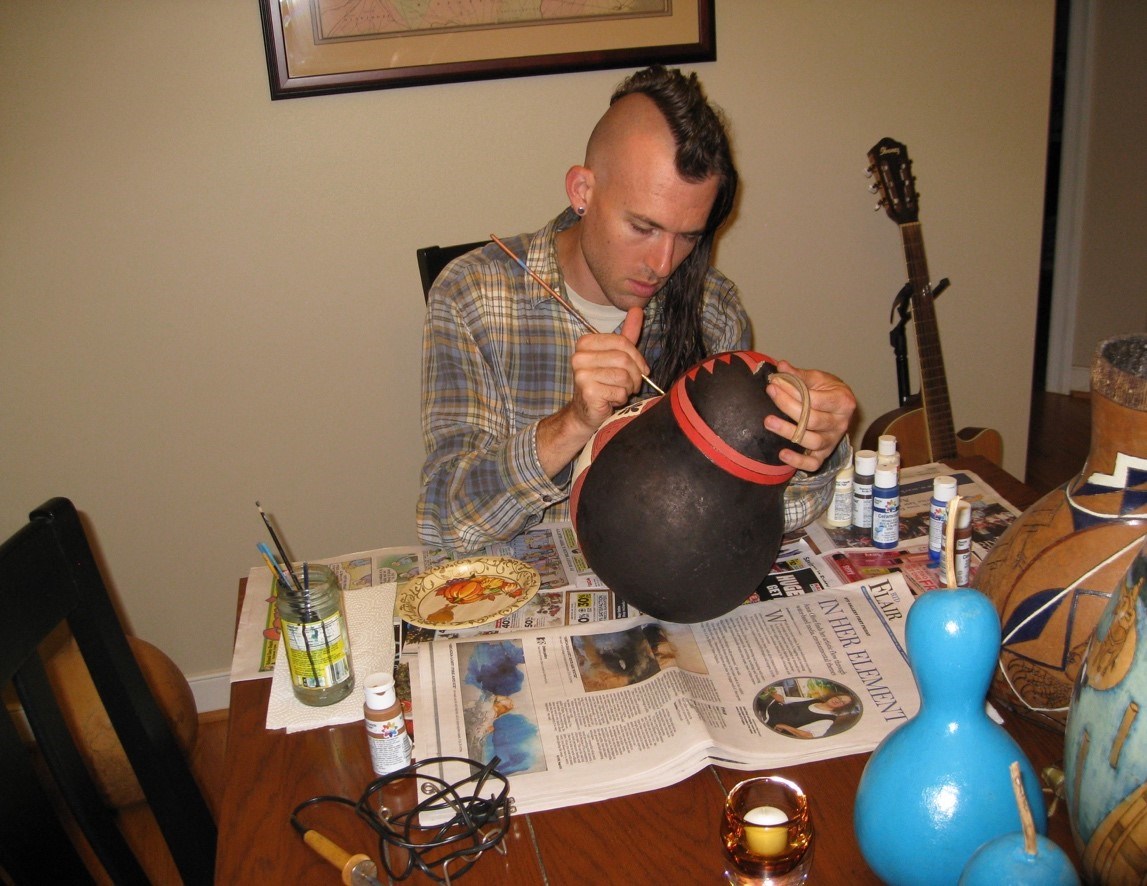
(831, 404)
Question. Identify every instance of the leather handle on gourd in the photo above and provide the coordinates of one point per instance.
(806, 401)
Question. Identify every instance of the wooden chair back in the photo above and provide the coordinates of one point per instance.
(432, 259)
(49, 577)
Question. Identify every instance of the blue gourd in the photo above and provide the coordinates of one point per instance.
(1005, 860)
(939, 786)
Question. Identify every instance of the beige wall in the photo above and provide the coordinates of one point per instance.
(208, 298)
(1112, 262)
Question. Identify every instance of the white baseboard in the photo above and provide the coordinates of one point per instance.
(1081, 378)
(212, 691)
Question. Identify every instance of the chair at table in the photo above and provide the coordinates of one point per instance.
(49, 577)
(432, 259)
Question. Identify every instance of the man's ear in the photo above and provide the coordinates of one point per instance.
(579, 186)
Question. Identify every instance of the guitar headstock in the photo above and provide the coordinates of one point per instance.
(890, 166)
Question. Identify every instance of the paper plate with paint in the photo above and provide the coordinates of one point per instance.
(468, 593)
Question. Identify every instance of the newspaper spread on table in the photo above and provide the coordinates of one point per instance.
(581, 697)
(587, 712)
(812, 559)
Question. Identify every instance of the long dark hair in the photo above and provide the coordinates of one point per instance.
(699, 131)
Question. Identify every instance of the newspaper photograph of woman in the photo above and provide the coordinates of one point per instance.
(807, 707)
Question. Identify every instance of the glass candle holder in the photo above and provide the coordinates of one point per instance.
(767, 833)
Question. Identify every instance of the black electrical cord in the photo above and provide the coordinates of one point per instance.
(466, 823)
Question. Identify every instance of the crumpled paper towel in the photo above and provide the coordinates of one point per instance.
(370, 621)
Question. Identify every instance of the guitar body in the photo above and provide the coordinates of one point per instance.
(923, 425)
(909, 425)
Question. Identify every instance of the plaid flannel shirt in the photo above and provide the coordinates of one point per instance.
(496, 361)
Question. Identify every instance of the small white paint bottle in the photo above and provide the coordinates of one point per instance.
(839, 511)
(887, 452)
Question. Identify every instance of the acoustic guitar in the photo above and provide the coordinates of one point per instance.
(923, 425)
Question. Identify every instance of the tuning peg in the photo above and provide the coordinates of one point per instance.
(873, 188)
(879, 205)
(868, 172)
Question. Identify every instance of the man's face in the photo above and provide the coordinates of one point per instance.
(642, 222)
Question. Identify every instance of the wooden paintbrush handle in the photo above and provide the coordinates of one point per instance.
(337, 856)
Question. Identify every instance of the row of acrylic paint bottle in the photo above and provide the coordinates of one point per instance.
(867, 497)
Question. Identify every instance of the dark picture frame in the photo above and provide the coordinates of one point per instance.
(310, 52)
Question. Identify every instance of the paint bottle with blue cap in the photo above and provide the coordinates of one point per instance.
(943, 491)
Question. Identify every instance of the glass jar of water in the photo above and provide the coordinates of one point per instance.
(314, 635)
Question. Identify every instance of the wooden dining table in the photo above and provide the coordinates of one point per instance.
(668, 835)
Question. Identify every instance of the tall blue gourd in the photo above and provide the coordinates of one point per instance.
(939, 786)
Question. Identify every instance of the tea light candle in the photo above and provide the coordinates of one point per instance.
(766, 832)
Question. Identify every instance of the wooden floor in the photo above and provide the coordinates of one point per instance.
(1059, 439)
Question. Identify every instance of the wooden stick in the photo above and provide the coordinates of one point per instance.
(1030, 845)
(950, 540)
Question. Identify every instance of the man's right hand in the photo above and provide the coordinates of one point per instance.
(607, 370)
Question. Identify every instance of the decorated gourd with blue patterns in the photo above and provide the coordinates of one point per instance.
(1105, 745)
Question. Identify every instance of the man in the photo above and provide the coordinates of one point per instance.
(513, 388)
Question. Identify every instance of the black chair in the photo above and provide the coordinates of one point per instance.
(432, 259)
(49, 576)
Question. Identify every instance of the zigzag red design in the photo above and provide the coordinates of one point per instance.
(708, 443)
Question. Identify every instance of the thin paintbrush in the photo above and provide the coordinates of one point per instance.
(279, 546)
(561, 301)
(282, 576)
(272, 565)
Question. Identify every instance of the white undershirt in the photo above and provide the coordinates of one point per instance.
(603, 318)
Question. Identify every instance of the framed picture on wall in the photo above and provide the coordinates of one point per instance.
(318, 47)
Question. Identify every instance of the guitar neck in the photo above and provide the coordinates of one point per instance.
(933, 382)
